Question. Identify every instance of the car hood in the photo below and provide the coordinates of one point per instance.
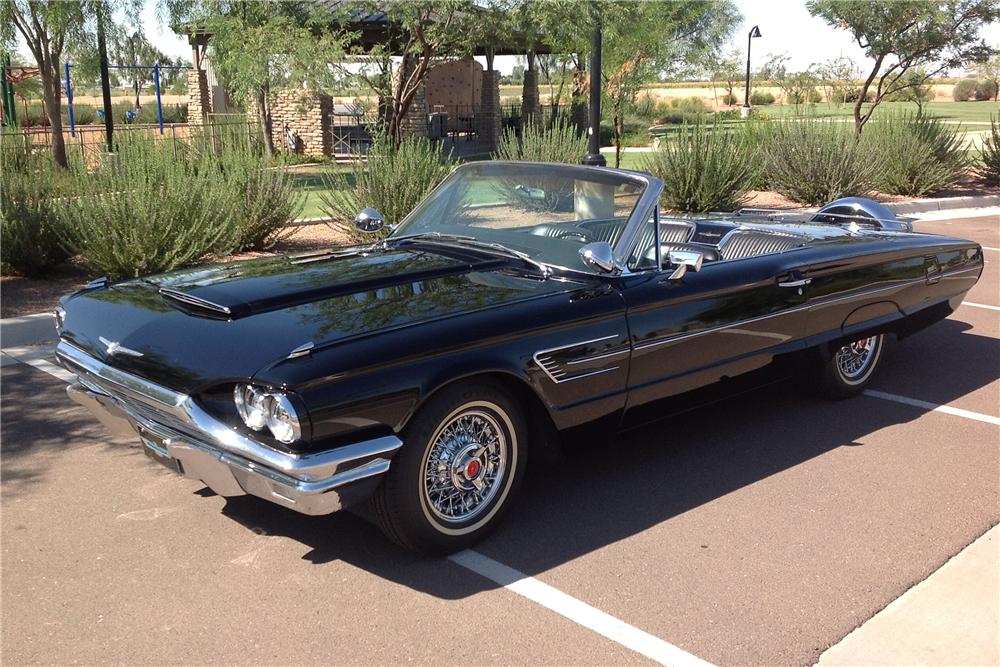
(176, 331)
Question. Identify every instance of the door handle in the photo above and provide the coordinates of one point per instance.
(795, 283)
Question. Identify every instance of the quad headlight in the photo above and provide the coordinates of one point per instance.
(259, 409)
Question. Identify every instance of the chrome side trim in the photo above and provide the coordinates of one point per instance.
(556, 373)
(605, 355)
(786, 311)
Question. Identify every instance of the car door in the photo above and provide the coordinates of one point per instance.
(729, 318)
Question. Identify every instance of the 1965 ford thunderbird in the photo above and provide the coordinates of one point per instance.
(517, 302)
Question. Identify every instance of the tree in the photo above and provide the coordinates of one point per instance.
(47, 28)
(899, 35)
(916, 88)
(425, 32)
(989, 70)
(135, 51)
(729, 70)
(259, 45)
(837, 77)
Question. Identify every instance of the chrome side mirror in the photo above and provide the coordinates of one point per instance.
(684, 260)
(599, 254)
(369, 220)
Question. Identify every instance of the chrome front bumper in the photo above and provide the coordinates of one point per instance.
(178, 431)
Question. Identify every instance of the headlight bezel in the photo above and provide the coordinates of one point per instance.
(273, 404)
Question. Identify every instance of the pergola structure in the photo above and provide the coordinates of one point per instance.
(457, 98)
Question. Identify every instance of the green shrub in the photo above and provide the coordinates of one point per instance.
(729, 99)
(761, 98)
(392, 180)
(559, 143)
(689, 105)
(986, 90)
(964, 90)
(989, 154)
(30, 218)
(816, 161)
(146, 210)
(921, 153)
(852, 95)
(646, 106)
(261, 201)
(703, 167)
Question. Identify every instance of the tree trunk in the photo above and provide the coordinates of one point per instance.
(264, 116)
(136, 86)
(52, 99)
(578, 101)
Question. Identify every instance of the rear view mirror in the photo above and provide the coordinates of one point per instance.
(684, 260)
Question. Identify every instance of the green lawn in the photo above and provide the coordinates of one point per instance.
(957, 112)
(310, 183)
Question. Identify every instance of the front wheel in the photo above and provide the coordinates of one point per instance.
(463, 456)
(850, 368)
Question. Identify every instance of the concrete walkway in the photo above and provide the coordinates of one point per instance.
(950, 618)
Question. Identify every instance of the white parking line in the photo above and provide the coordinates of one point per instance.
(43, 365)
(986, 247)
(934, 407)
(577, 611)
(980, 305)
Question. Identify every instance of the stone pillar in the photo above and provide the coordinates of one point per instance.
(309, 115)
(489, 111)
(530, 106)
(414, 121)
(199, 100)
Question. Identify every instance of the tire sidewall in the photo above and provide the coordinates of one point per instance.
(403, 487)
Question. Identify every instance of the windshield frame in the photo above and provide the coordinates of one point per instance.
(641, 211)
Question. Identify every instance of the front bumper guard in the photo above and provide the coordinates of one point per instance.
(226, 461)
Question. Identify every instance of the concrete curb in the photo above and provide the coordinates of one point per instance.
(27, 330)
(944, 204)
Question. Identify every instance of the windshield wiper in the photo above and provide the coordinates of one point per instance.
(472, 242)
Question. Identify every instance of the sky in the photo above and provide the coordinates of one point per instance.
(785, 25)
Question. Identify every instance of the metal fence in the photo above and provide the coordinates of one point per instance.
(90, 141)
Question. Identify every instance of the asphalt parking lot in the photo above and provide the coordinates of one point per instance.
(759, 531)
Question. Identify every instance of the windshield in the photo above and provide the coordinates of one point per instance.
(546, 211)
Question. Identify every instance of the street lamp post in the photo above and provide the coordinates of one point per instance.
(745, 112)
(593, 157)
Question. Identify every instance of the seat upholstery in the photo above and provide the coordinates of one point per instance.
(742, 243)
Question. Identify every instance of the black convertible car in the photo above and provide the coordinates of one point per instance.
(517, 302)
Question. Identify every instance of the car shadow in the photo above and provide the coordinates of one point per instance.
(606, 491)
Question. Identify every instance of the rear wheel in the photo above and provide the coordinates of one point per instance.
(850, 368)
(463, 456)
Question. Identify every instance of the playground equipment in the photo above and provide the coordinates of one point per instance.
(12, 75)
(129, 115)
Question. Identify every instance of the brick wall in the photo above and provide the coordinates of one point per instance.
(199, 101)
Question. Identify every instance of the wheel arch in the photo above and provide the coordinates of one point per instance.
(542, 433)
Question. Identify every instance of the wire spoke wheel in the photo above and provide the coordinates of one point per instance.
(465, 464)
(855, 360)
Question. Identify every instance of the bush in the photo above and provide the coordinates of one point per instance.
(729, 99)
(703, 167)
(921, 154)
(852, 95)
(646, 106)
(30, 219)
(689, 105)
(146, 210)
(261, 201)
(989, 154)
(964, 90)
(815, 161)
(986, 90)
(559, 143)
(393, 180)
(758, 99)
